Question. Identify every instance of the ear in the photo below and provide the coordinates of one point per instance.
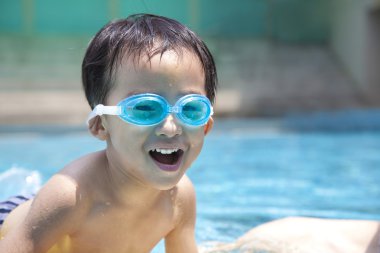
(97, 128)
(208, 126)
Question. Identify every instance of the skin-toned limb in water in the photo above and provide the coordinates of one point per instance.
(308, 235)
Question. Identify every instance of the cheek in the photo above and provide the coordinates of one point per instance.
(196, 143)
(125, 137)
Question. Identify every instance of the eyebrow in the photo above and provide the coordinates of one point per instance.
(190, 92)
(183, 93)
(136, 92)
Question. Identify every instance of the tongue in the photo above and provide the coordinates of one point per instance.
(165, 158)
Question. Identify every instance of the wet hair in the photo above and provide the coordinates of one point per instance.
(137, 36)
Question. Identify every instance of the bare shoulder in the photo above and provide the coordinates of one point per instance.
(70, 187)
(58, 208)
(182, 235)
(185, 200)
(186, 191)
(59, 193)
(185, 185)
(60, 200)
(54, 212)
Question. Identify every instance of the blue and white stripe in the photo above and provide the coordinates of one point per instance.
(7, 206)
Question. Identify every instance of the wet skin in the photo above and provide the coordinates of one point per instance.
(119, 199)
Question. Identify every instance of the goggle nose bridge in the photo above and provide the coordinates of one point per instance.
(174, 109)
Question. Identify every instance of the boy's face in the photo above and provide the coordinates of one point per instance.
(132, 148)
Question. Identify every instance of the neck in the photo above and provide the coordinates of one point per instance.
(125, 188)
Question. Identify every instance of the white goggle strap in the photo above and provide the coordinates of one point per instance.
(103, 110)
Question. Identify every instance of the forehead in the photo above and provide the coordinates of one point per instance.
(170, 63)
(172, 70)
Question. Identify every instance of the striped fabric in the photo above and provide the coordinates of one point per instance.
(7, 206)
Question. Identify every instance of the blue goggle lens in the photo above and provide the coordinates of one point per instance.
(195, 112)
(143, 112)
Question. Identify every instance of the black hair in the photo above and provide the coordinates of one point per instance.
(133, 37)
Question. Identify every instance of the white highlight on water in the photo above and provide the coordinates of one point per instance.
(18, 180)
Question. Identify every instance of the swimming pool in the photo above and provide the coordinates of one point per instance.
(248, 173)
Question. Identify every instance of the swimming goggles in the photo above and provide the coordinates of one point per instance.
(150, 109)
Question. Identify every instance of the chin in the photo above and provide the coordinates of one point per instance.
(167, 182)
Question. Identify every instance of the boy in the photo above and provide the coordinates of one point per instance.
(149, 80)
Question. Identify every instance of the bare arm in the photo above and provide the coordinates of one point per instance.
(182, 238)
(53, 213)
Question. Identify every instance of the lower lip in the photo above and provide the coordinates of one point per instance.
(169, 167)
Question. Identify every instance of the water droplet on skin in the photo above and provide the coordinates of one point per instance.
(171, 192)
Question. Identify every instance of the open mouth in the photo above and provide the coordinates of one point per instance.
(167, 159)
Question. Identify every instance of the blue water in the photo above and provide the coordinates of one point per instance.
(247, 173)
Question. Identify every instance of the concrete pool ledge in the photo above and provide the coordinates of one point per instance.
(43, 107)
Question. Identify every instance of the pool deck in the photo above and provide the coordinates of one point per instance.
(54, 107)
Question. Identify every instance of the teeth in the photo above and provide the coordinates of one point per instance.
(166, 151)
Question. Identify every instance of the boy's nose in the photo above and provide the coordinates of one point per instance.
(169, 127)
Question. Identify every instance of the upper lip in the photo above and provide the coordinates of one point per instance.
(163, 145)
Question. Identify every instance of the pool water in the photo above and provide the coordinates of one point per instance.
(246, 174)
